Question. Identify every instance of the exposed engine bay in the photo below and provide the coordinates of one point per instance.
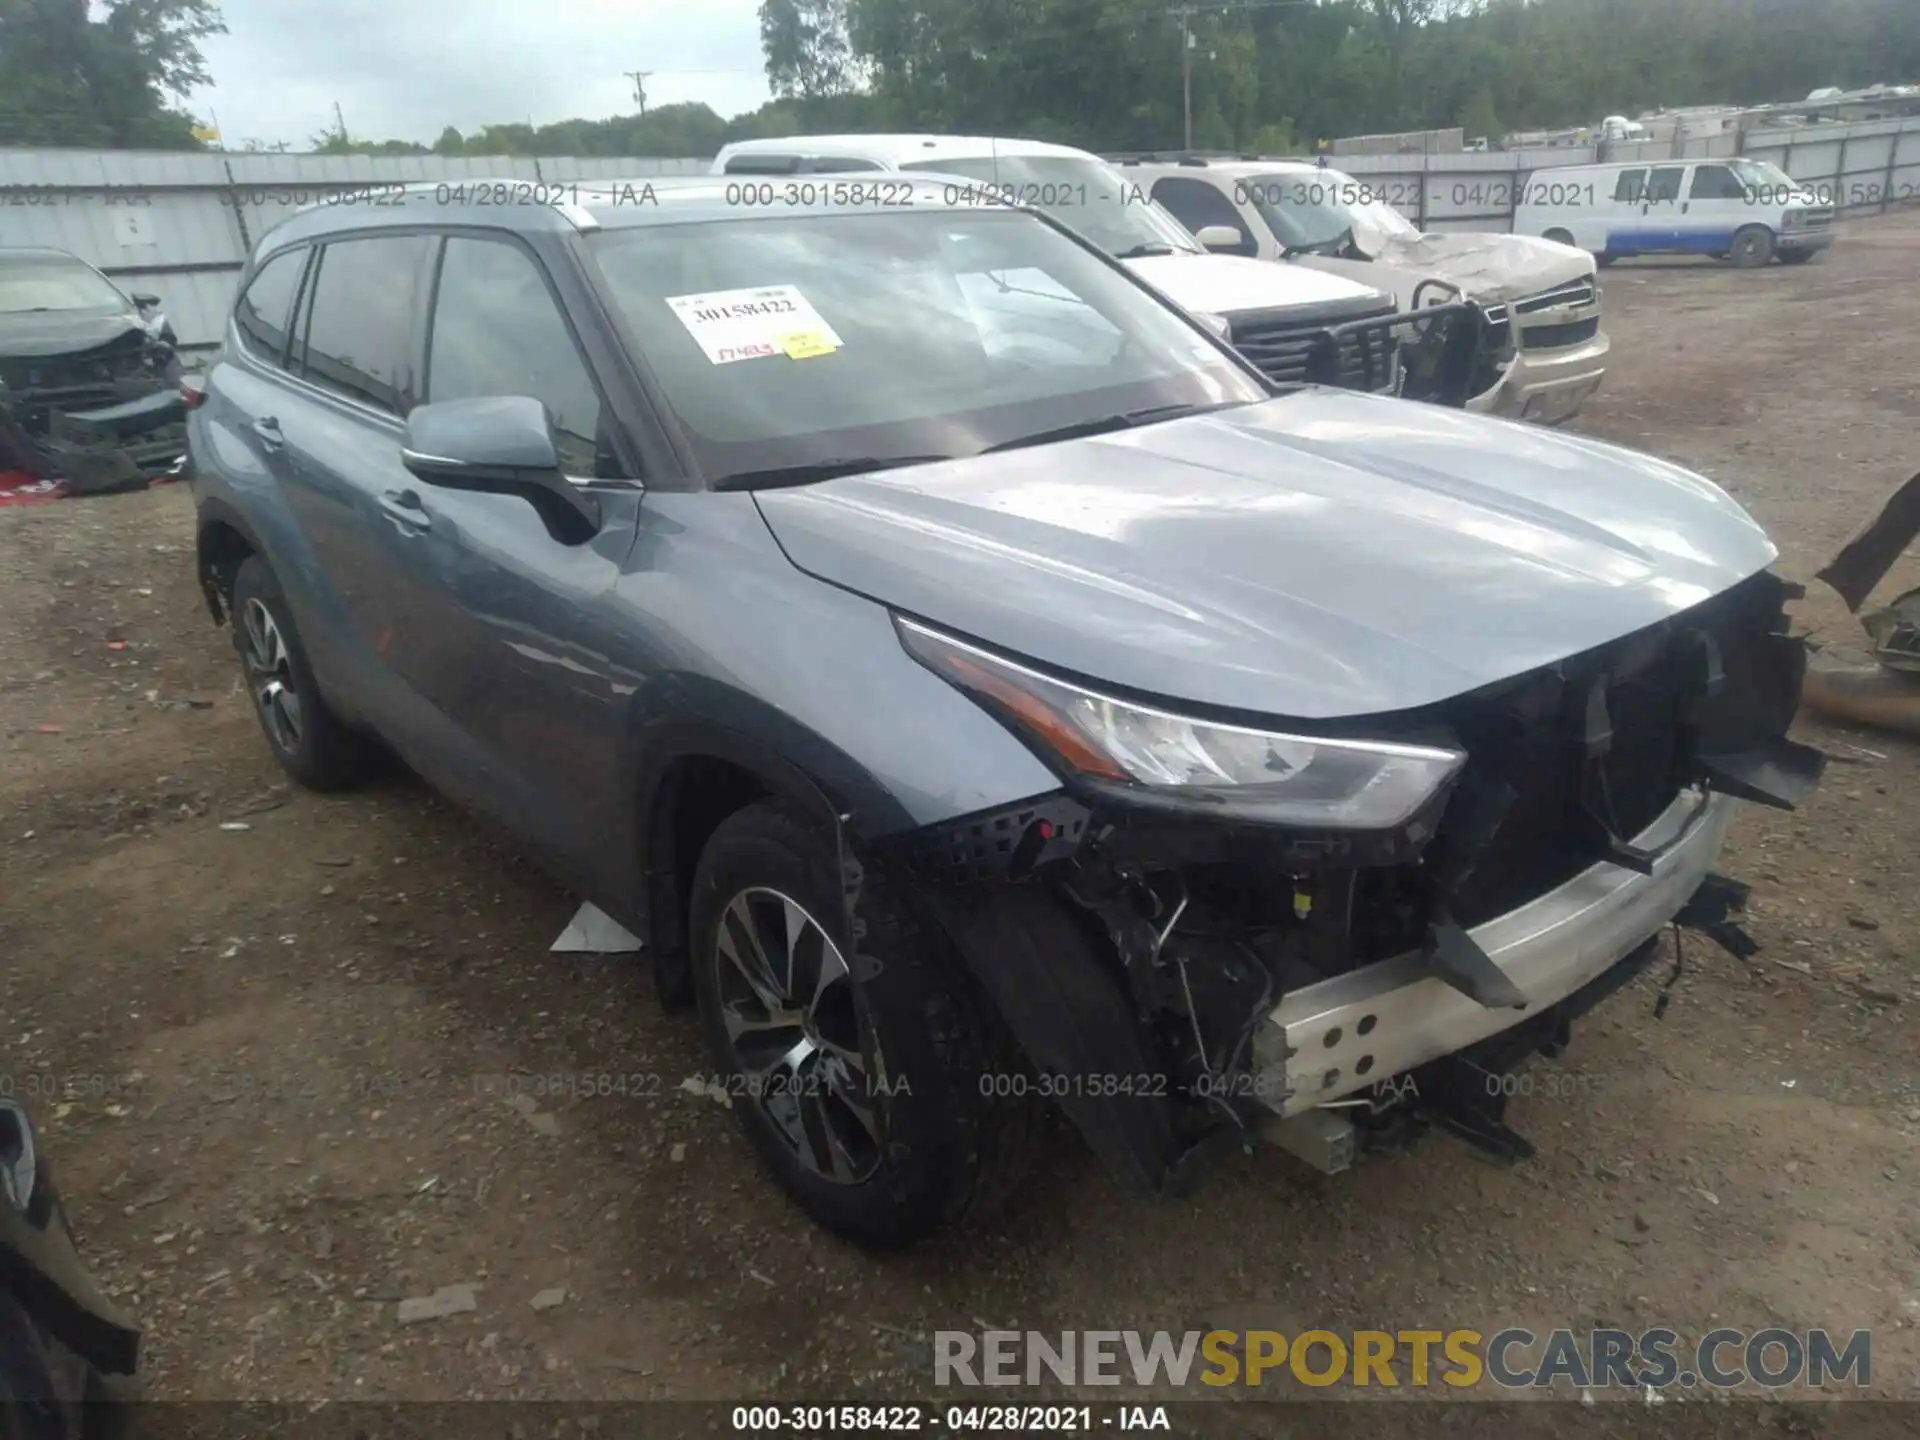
(1142, 953)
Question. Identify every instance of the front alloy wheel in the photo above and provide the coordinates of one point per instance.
(270, 676)
(787, 1002)
(861, 1078)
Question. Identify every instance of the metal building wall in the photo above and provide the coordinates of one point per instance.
(180, 225)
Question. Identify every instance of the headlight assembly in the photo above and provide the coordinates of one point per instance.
(1317, 782)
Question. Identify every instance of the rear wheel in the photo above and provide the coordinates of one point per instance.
(865, 1084)
(311, 743)
(1603, 259)
(1752, 247)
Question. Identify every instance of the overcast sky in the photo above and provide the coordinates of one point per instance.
(406, 69)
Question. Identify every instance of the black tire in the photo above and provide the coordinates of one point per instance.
(1603, 259)
(1752, 247)
(1562, 237)
(943, 1150)
(311, 743)
(1796, 257)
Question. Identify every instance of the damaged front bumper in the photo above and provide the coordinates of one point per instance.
(140, 435)
(1558, 360)
(1347, 1034)
(119, 447)
(1547, 387)
(1185, 978)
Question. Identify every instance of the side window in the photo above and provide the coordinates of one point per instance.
(1196, 205)
(763, 164)
(359, 333)
(1714, 182)
(497, 330)
(263, 312)
(837, 165)
(1631, 187)
(1665, 183)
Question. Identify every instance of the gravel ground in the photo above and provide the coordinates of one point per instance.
(277, 1047)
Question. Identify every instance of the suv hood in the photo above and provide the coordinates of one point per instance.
(1488, 268)
(1322, 554)
(1235, 285)
(36, 334)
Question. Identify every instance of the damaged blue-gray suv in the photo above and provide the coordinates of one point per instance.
(977, 685)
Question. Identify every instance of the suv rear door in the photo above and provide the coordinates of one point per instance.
(353, 369)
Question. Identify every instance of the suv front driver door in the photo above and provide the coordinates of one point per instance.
(523, 661)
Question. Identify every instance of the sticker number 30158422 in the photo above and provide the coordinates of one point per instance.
(731, 325)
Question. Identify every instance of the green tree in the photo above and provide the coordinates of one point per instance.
(807, 49)
(1479, 118)
(110, 76)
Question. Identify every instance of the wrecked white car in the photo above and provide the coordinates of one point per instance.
(89, 377)
(1543, 352)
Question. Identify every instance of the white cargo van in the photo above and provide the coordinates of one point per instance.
(1745, 211)
(1271, 314)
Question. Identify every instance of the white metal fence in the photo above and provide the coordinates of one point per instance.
(1863, 168)
(180, 225)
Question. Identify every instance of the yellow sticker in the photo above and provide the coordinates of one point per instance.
(805, 344)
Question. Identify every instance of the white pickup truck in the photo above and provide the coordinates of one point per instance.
(1272, 314)
(1545, 353)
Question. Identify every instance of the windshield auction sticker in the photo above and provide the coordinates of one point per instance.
(732, 325)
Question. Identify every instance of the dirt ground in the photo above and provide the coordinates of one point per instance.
(272, 1044)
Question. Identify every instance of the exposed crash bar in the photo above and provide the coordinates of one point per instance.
(1347, 1033)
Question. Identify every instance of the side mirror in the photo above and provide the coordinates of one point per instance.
(146, 302)
(499, 445)
(1218, 237)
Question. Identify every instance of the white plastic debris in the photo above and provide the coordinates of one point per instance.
(710, 1089)
(448, 1300)
(594, 932)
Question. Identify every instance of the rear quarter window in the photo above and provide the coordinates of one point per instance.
(263, 311)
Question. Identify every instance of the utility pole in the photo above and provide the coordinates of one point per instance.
(1186, 14)
(639, 78)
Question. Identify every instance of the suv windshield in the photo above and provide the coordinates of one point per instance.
(1309, 210)
(832, 339)
(1084, 195)
(53, 282)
